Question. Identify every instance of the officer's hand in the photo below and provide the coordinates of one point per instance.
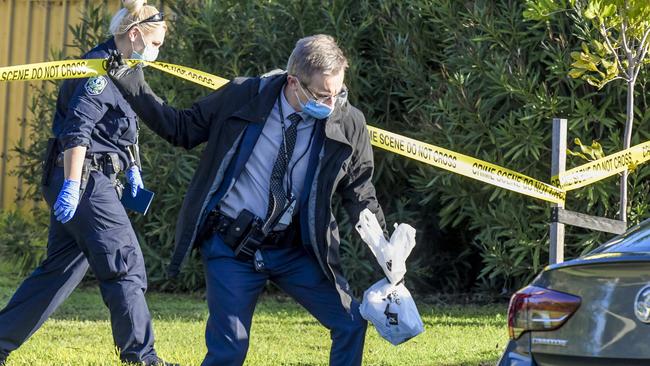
(67, 201)
(135, 180)
(114, 60)
(128, 79)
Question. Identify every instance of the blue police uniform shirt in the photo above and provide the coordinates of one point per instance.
(251, 189)
(91, 112)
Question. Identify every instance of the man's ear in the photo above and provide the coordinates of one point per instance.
(292, 82)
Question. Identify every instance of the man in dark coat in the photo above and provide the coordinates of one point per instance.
(260, 203)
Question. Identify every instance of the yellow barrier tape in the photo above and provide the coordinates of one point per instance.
(465, 165)
(602, 168)
(430, 154)
(187, 73)
(53, 70)
(73, 69)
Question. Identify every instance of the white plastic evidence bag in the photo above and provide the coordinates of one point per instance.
(388, 304)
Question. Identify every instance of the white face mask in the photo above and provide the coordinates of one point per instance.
(149, 53)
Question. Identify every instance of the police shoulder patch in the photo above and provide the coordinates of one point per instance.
(95, 85)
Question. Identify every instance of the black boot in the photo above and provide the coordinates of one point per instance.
(157, 362)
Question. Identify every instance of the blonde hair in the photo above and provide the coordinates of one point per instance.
(317, 53)
(134, 11)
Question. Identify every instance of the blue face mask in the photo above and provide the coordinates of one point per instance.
(149, 53)
(314, 109)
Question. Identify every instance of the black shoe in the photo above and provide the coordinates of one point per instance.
(157, 362)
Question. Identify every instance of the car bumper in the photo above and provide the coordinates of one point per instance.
(514, 357)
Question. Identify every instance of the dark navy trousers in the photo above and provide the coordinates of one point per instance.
(99, 236)
(233, 288)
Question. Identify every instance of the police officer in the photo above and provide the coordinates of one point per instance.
(95, 141)
(260, 202)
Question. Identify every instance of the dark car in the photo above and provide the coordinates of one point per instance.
(593, 310)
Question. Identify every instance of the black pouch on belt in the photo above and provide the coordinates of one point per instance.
(238, 228)
(49, 160)
(112, 167)
(85, 174)
(245, 235)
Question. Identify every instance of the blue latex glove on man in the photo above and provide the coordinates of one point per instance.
(67, 201)
(135, 180)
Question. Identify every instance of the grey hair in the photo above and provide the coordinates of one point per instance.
(316, 54)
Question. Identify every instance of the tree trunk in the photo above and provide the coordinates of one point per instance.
(627, 140)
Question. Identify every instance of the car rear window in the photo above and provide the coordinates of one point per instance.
(636, 239)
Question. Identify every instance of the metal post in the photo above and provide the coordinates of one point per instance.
(558, 165)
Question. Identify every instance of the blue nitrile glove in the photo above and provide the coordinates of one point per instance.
(134, 179)
(67, 201)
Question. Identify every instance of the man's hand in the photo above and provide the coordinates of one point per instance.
(128, 79)
(135, 180)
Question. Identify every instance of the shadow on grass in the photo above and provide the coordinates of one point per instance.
(487, 359)
(476, 321)
(86, 304)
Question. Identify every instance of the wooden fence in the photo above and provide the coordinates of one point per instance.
(30, 31)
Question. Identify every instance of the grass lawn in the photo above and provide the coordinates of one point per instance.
(282, 334)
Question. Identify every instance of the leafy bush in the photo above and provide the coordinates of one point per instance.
(474, 77)
(22, 239)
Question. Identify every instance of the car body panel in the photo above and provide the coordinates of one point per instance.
(604, 325)
(604, 330)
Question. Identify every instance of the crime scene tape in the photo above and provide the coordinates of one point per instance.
(602, 168)
(187, 73)
(429, 154)
(53, 70)
(465, 165)
(73, 69)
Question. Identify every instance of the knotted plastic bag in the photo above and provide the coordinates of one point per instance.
(390, 255)
(388, 303)
(391, 309)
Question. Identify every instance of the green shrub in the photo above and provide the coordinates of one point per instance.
(23, 240)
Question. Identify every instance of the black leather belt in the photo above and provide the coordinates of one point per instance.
(218, 223)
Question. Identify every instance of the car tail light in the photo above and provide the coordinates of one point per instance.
(540, 309)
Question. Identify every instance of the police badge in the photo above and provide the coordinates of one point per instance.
(95, 85)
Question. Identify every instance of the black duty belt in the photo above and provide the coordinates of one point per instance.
(107, 163)
(218, 223)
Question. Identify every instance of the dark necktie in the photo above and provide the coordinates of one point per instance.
(278, 197)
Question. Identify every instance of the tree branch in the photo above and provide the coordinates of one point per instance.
(642, 45)
(617, 78)
(639, 63)
(608, 43)
(641, 53)
(626, 46)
